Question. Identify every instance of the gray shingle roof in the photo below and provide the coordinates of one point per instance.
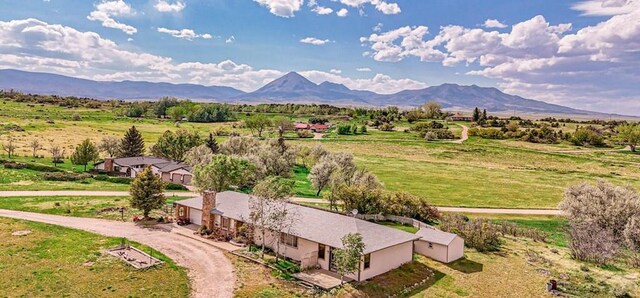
(436, 236)
(172, 166)
(313, 224)
(140, 160)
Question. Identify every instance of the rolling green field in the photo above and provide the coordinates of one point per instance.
(51, 262)
(478, 173)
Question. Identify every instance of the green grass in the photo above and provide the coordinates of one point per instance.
(399, 226)
(96, 207)
(554, 226)
(303, 187)
(25, 179)
(49, 263)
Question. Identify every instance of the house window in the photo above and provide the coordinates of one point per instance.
(225, 223)
(367, 261)
(321, 249)
(430, 245)
(289, 240)
(181, 211)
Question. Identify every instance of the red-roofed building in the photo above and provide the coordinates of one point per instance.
(319, 128)
(302, 126)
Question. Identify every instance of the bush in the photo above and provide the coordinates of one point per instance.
(64, 176)
(120, 180)
(101, 177)
(174, 186)
(42, 168)
(304, 134)
(477, 233)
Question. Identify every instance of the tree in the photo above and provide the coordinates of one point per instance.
(147, 192)
(283, 124)
(131, 144)
(9, 146)
(347, 259)
(320, 174)
(174, 146)
(160, 108)
(198, 155)
(484, 115)
(268, 208)
(221, 172)
(476, 115)
(257, 123)
(35, 146)
(57, 155)
(84, 153)
(212, 144)
(110, 145)
(432, 110)
(630, 135)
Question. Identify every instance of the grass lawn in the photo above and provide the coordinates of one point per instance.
(254, 280)
(50, 262)
(399, 226)
(96, 207)
(303, 187)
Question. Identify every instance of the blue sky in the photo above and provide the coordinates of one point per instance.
(578, 53)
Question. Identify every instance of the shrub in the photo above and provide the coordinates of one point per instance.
(64, 176)
(175, 186)
(477, 233)
(591, 243)
(120, 180)
(101, 177)
(304, 134)
(42, 168)
(386, 126)
(344, 129)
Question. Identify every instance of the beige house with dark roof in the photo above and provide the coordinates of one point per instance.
(313, 236)
(168, 170)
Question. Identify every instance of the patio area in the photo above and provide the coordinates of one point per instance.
(324, 279)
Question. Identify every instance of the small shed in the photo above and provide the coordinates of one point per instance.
(438, 245)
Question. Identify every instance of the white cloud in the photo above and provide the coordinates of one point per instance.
(187, 34)
(606, 7)
(363, 69)
(377, 27)
(164, 6)
(493, 23)
(322, 10)
(380, 5)
(106, 10)
(231, 39)
(342, 12)
(34, 45)
(282, 8)
(379, 83)
(314, 41)
(335, 71)
(591, 68)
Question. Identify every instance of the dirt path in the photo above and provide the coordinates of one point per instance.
(464, 136)
(211, 273)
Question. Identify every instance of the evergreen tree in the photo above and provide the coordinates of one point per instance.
(476, 115)
(147, 192)
(484, 115)
(212, 144)
(131, 144)
(85, 153)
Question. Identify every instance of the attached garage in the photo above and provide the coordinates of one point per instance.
(195, 216)
(438, 245)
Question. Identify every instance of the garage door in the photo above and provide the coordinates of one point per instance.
(195, 216)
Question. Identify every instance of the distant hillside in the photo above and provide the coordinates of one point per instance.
(44, 83)
(290, 88)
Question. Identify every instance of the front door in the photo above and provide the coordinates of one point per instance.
(332, 267)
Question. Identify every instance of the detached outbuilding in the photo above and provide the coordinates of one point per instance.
(438, 245)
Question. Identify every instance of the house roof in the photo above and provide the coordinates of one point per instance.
(172, 166)
(313, 224)
(140, 160)
(436, 236)
(301, 126)
(320, 126)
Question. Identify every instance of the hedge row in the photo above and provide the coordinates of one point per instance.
(30, 166)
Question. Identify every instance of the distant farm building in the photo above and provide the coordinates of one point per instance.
(168, 170)
(461, 117)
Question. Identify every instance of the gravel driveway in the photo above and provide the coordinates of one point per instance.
(211, 273)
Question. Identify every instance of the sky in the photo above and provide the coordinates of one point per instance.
(579, 53)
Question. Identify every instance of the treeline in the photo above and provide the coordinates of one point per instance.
(63, 101)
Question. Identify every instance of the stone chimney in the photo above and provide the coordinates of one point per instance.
(208, 204)
(108, 164)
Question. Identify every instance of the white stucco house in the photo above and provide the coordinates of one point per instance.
(438, 245)
(168, 170)
(313, 237)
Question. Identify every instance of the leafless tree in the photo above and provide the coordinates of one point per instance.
(592, 243)
(110, 145)
(35, 146)
(9, 146)
(57, 154)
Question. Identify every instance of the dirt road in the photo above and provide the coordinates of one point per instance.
(211, 273)
(464, 136)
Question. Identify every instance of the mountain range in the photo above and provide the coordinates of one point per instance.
(290, 88)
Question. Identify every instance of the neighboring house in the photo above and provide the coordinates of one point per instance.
(170, 171)
(301, 126)
(319, 128)
(313, 237)
(461, 117)
(438, 245)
